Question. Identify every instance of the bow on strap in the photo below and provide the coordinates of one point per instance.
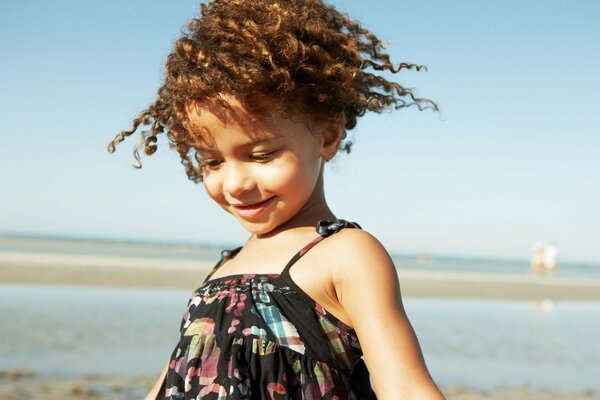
(326, 228)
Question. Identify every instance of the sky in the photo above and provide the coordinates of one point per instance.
(512, 157)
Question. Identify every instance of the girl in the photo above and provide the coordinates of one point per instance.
(258, 95)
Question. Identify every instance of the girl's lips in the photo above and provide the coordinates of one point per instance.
(252, 210)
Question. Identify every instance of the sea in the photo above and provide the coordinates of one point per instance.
(68, 331)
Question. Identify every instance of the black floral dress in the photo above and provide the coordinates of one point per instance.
(259, 336)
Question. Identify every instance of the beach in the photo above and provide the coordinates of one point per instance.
(19, 385)
(96, 274)
(52, 268)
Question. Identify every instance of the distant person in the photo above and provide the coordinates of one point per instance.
(537, 257)
(544, 258)
(550, 258)
(258, 95)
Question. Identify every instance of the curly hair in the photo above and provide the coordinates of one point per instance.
(304, 54)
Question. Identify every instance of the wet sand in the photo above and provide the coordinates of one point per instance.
(47, 268)
(21, 384)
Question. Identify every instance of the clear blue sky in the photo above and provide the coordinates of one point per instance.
(513, 157)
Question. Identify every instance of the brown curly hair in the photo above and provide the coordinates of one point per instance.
(304, 54)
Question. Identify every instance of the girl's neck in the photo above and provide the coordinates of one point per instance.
(307, 219)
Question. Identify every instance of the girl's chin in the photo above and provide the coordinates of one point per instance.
(259, 231)
(257, 228)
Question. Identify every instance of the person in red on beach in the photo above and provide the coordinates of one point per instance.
(258, 96)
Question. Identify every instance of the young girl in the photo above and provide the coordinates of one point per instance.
(258, 96)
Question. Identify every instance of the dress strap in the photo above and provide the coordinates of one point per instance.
(225, 255)
(324, 229)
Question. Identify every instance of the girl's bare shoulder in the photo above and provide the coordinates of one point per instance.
(357, 254)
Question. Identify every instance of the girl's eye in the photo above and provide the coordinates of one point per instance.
(262, 156)
(210, 164)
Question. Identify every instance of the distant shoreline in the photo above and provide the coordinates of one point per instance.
(102, 241)
(74, 269)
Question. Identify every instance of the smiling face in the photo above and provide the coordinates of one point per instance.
(264, 171)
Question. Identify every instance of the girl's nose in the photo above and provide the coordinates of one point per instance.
(238, 179)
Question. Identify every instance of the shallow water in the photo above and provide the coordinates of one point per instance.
(65, 331)
(487, 344)
(75, 330)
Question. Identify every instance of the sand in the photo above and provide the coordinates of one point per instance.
(25, 385)
(53, 268)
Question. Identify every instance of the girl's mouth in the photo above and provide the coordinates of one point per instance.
(253, 209)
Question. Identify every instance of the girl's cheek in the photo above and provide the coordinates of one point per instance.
(211, 188)
(286, 168)
(278, 176)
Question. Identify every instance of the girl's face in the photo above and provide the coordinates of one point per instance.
(266, 171)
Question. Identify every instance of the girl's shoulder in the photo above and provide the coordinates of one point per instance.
(356, 254)
(361, 275)
(356, 244)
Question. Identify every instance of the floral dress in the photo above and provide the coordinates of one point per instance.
(259, 336)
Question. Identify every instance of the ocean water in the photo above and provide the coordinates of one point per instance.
(62, 331)
(178, 251)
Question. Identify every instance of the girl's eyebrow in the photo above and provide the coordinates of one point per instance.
(206, 150)
(251, 143)
(261, 141)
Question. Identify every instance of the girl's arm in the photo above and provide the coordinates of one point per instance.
(154, 391)
(367, 287)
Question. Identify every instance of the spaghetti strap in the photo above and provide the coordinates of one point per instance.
(324, 229)
(225, 255)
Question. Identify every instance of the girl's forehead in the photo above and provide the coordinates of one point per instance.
(214, 120)
(221, 111)
(247, 112)
(209, 118)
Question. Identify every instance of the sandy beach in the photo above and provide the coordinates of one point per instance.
(51, 268)
(21, 384)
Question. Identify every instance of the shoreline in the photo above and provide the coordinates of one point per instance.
(148, 272)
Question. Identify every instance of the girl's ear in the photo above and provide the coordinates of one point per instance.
(332, 131)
